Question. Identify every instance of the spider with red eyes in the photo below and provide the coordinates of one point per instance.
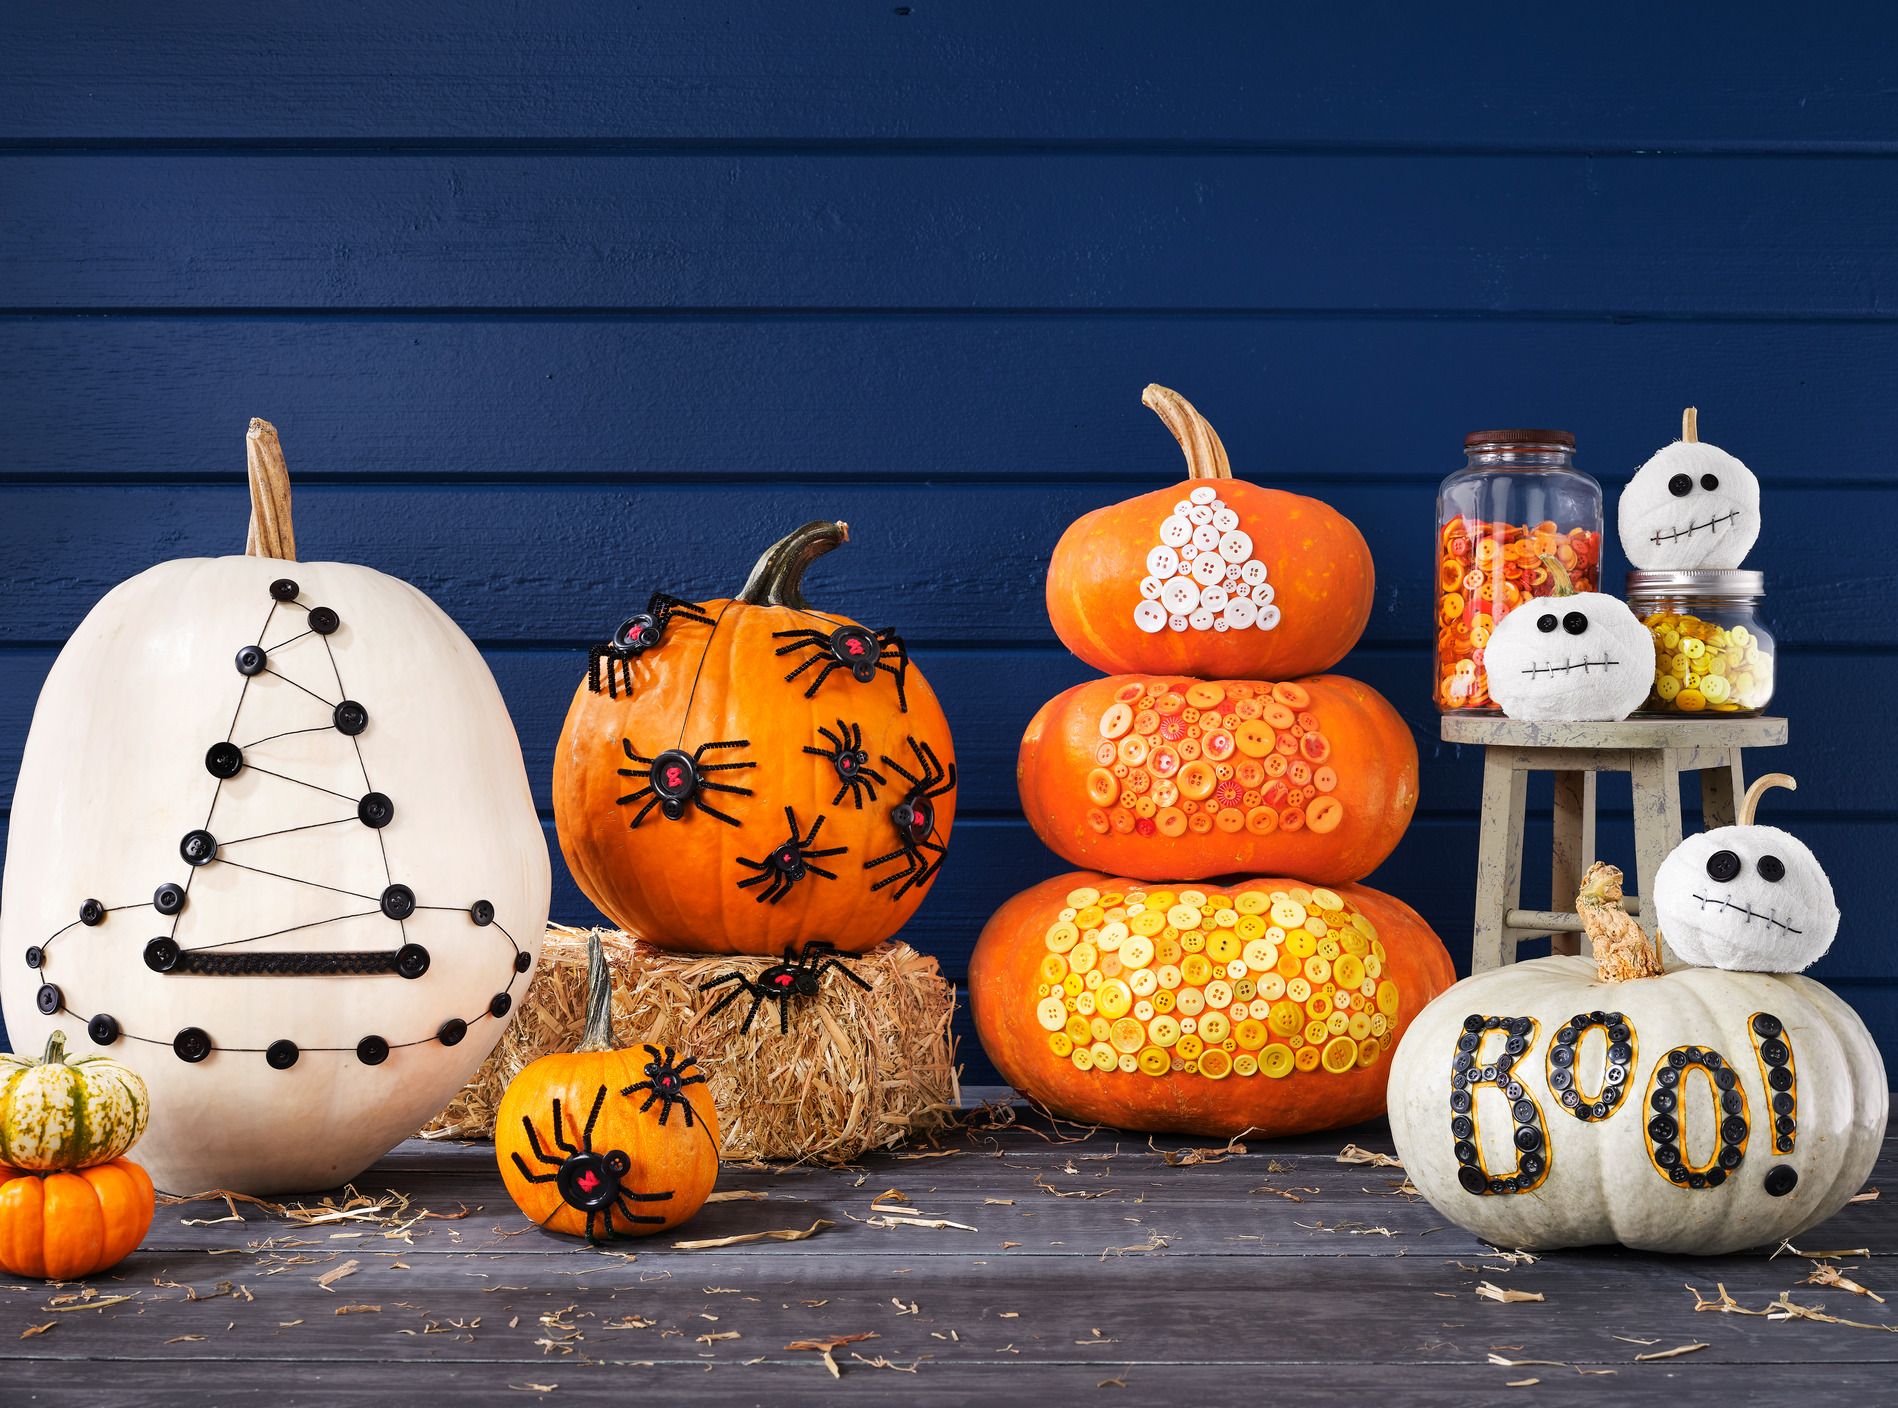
(666, 1080)
(637, 634)
(675, 778)
(591, 1181)
(915, 821)
(852, 762)
(799, 975)
(852, 648)
(789, 863)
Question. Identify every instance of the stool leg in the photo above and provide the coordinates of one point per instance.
(1657, 821)
(1498, 859)
(1574, 847)
(1720, 791)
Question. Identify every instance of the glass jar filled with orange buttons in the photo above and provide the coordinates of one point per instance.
(1517, 499)
(1713, 653)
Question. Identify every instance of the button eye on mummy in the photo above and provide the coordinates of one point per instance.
(1681, 485)
(1772, 869)
(1723, 866)
(1575, 623)
(1710, 482)
(1547, 623)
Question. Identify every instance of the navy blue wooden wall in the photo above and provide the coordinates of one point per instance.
(555, 304)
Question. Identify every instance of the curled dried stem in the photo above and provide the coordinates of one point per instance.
(1621, 946)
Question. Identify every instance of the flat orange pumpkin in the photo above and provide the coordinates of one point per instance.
(1213, 577)
(65, 1225)
(1164, 776)
(1263, 1004)
(738, 776)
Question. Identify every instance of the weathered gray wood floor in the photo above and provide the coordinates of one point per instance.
(1083, 1269)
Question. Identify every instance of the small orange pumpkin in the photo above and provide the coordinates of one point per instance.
(1264, 1004)
(66, 1225)
(1164, 776)
(601, 1143)
(738, 776)
(1215, 577)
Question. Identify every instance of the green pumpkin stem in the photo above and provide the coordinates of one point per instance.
(599, 1031)
(778, 579)
(1564, 584)
(55, 1049)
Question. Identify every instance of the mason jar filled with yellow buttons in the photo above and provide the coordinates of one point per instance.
(1713, 652)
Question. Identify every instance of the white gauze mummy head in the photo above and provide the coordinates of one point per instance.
(1691, 505)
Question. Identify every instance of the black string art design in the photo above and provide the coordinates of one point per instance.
(172, 952)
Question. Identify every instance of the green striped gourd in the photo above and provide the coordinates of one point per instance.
(61, 1113)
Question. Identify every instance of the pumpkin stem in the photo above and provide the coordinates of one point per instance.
(271, 533)
(778, 579)
(599, 1030)
(55, 1049)
(1621, 946)
(1690, 425)
(1205, 453)
(1564, 584)
(1761, 786)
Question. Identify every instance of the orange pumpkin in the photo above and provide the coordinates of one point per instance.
(66, 1225)
(1264, 1004)
(601, 1143)
(1214, 577)
(1163, 776)
(738, 776)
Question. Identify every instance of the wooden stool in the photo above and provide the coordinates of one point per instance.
(1654, 752)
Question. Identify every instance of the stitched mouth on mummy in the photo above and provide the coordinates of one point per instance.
(1584, 665)
(1713, 524)
(1750, 913)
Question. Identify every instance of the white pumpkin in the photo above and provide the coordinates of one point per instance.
(273, 845)
(1570, 655)
(1545, 1104)
(1746, 897)
(1692, 505)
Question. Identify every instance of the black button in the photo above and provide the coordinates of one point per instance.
(1766, 1024)
(1772, 869)
(35, 955)
(1473, 1023)
(1775, 1052)
(1465, 1151)
(1575, 623)
(1462, 1127)
(500, 1004)
(1528, 1137)
(1680, 486)
(1599, 1109)
(1782, 1102)
(372, 1051)
(398, 901)
(48, 999)
(224, 760)
(192, 1044)
(1663, 1101)
(283, 589)
(282, 1055)
(1781, 1179)
(1730, 1157)
(1621, 1052)
(1723, 866)
(674, 776)
(375, 810)
(1710, 481)
(1733, 1102)
(1785, 1124)
(1467, 1042)
(168, 898)
(522, 962)
(323, 620)
(1547, 623)
(161, 955)
(91, 912)
(1677, 1060)
(1531, 1165)
(1459, 1099)
(350, 718)
(1667, 1156)
(1725, 1079)
(1525, 1112)
(1780, 1078)
(1733, 1130)
(1696, 1180)
(482, 912)
(1562, 1057)
(1515, 1046)
(411, 960)
(1472, 1180)
(1570, 1101)
(1565, 1036)
(1512, 1090)
(103, 1030)
(1560, 1080)
(451, 1032)
(1662, 1129)
(251, 660)
(198, 847)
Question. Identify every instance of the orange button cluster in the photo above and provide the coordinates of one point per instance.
(1232, 756)
(1254, 983)
(1485, 570)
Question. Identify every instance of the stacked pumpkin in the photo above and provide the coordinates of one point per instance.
(1147, 991)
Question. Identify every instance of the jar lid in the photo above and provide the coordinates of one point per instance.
(1698, 581)
(1560, 439)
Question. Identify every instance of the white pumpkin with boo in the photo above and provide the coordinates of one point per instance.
(1610, 1178)
(351, 943)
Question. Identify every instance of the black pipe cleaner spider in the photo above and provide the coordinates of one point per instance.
(849, 648)
(675, 777)
(636, 635)
(797, 976)
(789, 863)
(590, 1181)
(852, 761)
(915, 820)
(666, 1080)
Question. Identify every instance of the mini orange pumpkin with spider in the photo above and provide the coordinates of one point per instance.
(738, 775)
(602, 1143)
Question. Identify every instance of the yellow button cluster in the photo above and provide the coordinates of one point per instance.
(1259, 982)
(1701, 667)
